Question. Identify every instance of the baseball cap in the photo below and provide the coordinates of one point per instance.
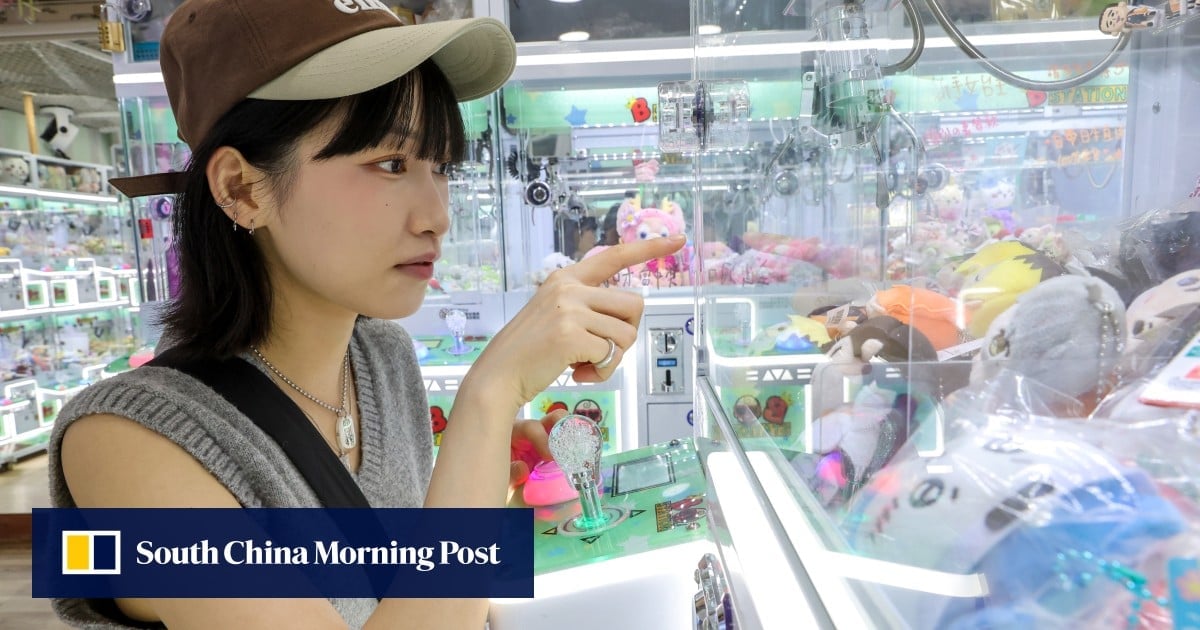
(216, 53)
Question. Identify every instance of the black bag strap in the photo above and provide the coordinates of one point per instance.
(258, 398)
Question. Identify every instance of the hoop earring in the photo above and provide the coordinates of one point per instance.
(227, 204)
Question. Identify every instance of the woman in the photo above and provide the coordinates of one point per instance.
(311, 213)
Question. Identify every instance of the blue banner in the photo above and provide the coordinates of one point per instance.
(104, 553)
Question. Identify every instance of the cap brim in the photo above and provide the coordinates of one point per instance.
(172, 183)
(477, 56)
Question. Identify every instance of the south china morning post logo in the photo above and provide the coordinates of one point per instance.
(91, 552)
(320, 552)
(282, 552)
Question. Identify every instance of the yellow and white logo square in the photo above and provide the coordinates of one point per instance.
(91, 552)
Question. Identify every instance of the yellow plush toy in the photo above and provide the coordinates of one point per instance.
(993, 254)
(996, 287)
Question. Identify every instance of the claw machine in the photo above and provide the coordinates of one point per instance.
(464, 304)
(584, 171)
(966, 401)
(660, 531)
(68, 251)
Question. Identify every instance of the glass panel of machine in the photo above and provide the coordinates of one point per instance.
(948, 257)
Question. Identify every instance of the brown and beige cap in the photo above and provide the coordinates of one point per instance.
(215, 53)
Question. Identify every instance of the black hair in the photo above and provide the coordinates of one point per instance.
(224, 302)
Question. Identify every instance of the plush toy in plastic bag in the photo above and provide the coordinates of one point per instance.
(1047, 519)
(1067, 333)
(1161, 304)
(1160, 244)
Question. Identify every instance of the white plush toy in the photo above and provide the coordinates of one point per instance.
(14, 170)
(550, 264)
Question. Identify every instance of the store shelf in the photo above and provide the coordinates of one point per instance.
(56, 194)
(7, 316)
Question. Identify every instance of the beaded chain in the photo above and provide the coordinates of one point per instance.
(1133, 581)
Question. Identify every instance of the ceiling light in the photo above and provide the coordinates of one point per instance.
(574, 36)
(709, 29)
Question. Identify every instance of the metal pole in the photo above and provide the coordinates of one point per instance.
(30, 122)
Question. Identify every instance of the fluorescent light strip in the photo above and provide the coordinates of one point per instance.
(604, 191)
(774, 588)
(50, 194)
(615, 56)
(677, 54)
(137, 78)
(753, 50)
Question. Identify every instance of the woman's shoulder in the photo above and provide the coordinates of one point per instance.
(146, 385)
(388, 340)
(192, 416)
(384, 331)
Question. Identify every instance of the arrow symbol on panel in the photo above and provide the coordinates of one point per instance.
(590, 539)
(553, 531)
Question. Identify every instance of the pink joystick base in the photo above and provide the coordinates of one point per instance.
(548, 485)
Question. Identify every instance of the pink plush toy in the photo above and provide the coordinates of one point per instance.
(635, 223)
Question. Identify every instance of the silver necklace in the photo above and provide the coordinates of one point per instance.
(347, 438)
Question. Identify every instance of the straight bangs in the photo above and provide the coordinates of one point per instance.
(417, 112)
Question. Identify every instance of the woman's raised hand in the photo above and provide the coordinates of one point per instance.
(569, 322)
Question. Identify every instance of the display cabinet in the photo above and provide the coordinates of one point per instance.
(947, 377)
(68, 290)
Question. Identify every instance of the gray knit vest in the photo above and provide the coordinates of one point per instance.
(396, 440)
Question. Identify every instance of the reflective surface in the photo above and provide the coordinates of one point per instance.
(931, 269)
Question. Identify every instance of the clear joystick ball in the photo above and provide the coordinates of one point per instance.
(575, 443)
(456, 321)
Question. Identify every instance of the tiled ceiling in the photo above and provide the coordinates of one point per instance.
(59, 71)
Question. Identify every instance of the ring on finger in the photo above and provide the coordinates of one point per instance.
(607, 360)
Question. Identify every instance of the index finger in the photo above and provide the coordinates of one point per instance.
(599, 268)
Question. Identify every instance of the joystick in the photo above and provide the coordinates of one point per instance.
(456, 321)
(575, 443)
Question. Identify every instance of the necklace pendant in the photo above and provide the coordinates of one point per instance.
(345, 431)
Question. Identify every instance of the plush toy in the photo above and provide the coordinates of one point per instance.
(1160, 244)
(1066, 333)
(755, 267)
(994, 288)
(948, 202)
(862, 437)
(644, 171)
(1046, 518)
(993, 254)
(1161, 304)
(88, 181)
(550, 264)
(799, 334)
(635, 223)
(850, 357)
(838, 320)
(928, 311)
(1048, 240)
(996, 196)
(14, 171)
(56, 178)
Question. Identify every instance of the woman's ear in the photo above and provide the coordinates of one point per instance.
(232, 181)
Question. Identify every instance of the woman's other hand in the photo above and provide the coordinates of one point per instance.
(531, 445)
